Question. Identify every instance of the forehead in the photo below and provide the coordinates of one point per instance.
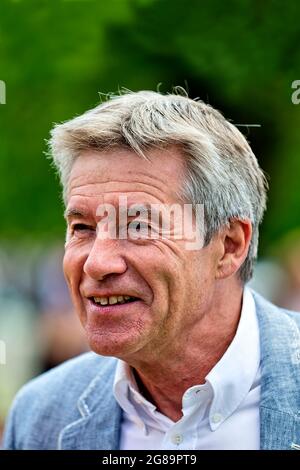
(103, 175)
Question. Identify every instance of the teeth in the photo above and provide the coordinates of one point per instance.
(101, 300)
(120, 299)
(113, 300)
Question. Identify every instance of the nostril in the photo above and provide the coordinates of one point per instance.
(103, 262)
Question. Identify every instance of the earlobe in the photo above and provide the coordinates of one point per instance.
(225, 268)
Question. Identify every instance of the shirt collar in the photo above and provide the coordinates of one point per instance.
(230, 379)
(234, 375)
(123, 388)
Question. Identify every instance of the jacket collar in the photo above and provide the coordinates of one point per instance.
(280, 382)
(99, 426)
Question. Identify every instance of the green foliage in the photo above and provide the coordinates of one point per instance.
(239, 55)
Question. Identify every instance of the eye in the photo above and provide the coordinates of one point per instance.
(138, 229)
(139, 226)
(82, 229)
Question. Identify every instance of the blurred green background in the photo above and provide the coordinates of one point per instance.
(55, 56)
(241, 56)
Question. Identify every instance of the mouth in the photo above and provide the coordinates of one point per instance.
(112, 303)
(113, 300)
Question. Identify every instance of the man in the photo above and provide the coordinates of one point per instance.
(184, 355)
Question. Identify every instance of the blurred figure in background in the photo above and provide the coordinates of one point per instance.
(289, 258)
(59, 328)
(17, 325)
(37, 323)
(278, 277)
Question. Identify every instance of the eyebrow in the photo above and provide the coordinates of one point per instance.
(73, 212)
(143, 208)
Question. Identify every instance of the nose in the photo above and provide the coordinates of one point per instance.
(104, 259)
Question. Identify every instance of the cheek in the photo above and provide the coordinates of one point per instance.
(167, 276)
(73, 263)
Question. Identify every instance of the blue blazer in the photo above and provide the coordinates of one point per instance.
(73, 407)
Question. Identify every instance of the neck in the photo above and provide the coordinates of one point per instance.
(164, 379)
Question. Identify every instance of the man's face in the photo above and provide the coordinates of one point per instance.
(171, 286)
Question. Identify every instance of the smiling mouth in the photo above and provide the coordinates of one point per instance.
(113, 300)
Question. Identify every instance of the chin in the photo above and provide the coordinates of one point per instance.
(108, 344)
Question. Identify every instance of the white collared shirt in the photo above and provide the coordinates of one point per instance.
(223, 413)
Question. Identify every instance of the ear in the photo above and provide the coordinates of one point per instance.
(235, 240)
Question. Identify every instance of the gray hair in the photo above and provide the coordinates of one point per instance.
(222, 171)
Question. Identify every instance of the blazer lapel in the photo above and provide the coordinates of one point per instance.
(99, 425)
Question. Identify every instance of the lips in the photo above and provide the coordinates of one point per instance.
(100, 299)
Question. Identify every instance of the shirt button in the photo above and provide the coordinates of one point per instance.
(216, 418)
(177, 439)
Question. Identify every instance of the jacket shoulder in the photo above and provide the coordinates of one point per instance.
(265, 307)
(49, 402)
